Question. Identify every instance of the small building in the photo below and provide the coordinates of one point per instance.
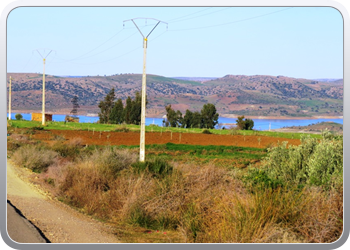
(38, 117)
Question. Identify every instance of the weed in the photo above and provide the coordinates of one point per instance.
(34, 157)
(158, 167)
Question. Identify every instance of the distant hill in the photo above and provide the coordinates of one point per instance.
(333, 127)
(258, 95)
(196, 79)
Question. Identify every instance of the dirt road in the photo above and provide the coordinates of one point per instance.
(58, 222)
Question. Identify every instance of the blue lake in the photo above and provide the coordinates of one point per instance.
(259, 124)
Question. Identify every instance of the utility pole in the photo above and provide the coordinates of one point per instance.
(143, 92)
(43, 104)
(10, 99)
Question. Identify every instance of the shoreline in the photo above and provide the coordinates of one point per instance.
(231, 116)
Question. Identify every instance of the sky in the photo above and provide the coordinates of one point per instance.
(301, 42)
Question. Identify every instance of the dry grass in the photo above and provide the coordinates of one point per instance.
(34, 157)
(193, 203)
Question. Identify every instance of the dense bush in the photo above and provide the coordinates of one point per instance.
(19, 117)
(314, 162)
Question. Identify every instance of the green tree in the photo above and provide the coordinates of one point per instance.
(135, 112)
(196, 121)
(127, 110)
(171, 116)
(18, 117)
(249, 124)
(244, 124)
(117, 113)
(209, 115)
(106, 107)
(187, 120)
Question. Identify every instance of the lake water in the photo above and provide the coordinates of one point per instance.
(259, 124)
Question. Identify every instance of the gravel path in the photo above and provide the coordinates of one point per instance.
(57, 221)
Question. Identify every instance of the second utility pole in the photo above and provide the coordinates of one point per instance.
(143, 91)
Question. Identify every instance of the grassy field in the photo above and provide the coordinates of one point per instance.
(150, 128)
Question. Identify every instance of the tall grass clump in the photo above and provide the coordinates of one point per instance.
(34, 157)
(157, 167)
(88, 182)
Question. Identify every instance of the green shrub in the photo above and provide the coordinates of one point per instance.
(206, 131)
(314, 162)
(258, 178)
(158, 167)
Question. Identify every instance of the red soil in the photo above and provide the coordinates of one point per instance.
(133, 138)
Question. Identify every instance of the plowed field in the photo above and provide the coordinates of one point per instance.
(133, 138)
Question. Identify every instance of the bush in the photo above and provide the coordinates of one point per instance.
(34, 157)
(314, 162)
(18, 117)
(66, 150)
(158, 167)
(109, 161)
(206, 131)
(258, 178)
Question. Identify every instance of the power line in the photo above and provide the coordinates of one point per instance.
(201, 15)
(188, 15)
(242, 20)
(99, 45)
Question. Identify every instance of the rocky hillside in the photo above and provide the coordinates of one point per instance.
(232, 94)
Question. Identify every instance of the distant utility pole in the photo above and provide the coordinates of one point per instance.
(10, 99)
(143, 92)
(43, 105)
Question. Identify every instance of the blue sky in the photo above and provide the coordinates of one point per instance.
(302, 42)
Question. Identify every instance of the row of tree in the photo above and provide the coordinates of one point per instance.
(206, 118)
(115, 113)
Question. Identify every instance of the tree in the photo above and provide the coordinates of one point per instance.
(196, 121)
(135, 112)
(174, 118)
(246, 124)
(127, 110)
(209, 116)
(106, 107)
(18, 117)
(240, 122)
(117, 113)
(249, 124)
(187, 120)
(171, 116)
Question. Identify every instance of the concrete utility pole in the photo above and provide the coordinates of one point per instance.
(10, 99)
(143, 92)
(43, 105)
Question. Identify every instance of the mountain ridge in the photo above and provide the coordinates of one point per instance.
(255, 95)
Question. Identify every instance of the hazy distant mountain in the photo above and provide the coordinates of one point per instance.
(232, 94)
(196, 79)
(327, 79)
